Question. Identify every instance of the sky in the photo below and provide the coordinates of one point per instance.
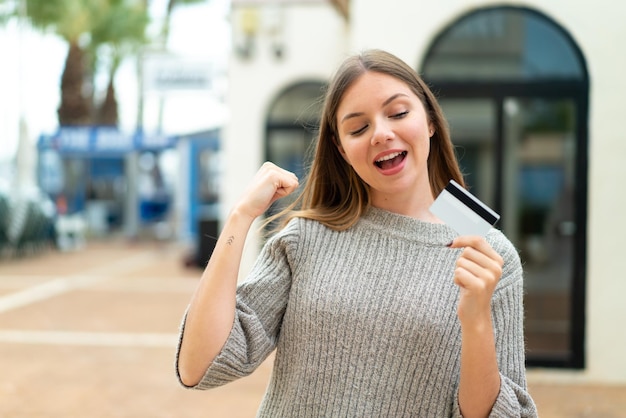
(29, 85)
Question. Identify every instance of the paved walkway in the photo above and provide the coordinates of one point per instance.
(92, 334)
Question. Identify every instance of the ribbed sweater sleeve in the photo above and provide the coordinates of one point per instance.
(364, 322)
(508, 318)
(261, 302)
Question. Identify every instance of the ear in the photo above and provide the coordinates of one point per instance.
(431, 129)
(341, 150)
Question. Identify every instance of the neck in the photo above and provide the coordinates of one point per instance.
(416, 205)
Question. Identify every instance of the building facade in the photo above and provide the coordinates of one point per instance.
(532, 95)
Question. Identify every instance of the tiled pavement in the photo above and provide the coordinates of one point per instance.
(91, 333)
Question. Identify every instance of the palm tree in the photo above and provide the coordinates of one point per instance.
(87, 26)
(71, 20)
(100, 34)
(119, 32)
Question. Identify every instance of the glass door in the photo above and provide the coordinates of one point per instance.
(515, 87)
(474, 132)
(518, 155)
(539, 214)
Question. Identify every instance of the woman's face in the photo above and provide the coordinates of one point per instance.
(384, 134)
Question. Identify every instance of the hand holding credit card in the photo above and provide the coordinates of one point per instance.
(463, 211)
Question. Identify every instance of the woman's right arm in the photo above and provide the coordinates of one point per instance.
(211, 311)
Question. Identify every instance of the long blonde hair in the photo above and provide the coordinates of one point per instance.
(333, 193)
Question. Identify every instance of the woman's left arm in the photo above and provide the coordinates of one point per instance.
(478, 271)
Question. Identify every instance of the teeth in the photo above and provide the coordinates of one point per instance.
(389, 157)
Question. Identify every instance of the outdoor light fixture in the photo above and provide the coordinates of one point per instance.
(253, 22)
(246, 29)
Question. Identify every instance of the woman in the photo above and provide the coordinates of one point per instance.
(374, 307)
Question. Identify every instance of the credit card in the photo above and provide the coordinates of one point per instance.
(463, 211)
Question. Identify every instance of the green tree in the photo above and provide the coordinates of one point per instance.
(119, 32)
(88, 27)
(100, 34)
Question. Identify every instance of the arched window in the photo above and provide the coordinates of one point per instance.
(292, 125)
(514, 87)
(504, 44)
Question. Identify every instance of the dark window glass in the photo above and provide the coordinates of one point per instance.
(502, 44)
(292, 126)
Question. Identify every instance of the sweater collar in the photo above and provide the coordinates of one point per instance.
(405, 227)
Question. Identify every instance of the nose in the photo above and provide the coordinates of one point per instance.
(382, 132)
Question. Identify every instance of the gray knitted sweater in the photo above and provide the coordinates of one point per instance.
(365, 323)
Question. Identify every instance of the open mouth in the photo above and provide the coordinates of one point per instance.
(391, 160)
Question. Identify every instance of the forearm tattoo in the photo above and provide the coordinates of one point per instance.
(230, 240)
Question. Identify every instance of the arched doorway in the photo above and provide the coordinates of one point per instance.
(292, 126)
(514, 86)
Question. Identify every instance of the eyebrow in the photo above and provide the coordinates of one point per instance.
(385, 103)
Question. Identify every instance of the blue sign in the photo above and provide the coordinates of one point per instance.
(99, 140)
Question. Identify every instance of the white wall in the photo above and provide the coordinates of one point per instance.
(315, 37)
(406, 28)
(606, 281)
